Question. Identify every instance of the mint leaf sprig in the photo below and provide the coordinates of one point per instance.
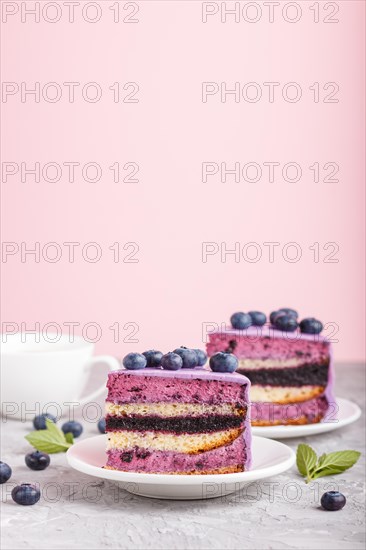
(51, 440)
(312, 467)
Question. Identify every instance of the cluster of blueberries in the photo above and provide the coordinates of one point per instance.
(27, 493)
(182, 357)
(285, 319)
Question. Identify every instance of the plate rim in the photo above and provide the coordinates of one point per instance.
(182, 479)
(291, 431)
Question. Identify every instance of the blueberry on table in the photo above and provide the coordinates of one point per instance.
(153, 358)
(101, 425)
(258, 318)
(223, 362)
(311, 326)
(25, 494)
(72, 427)
(201, 356)
(240, 320)
(134, 361)
(39, 422)
(172, 361)
(189, 357)
(37, 460)
(286, 323)
(5, 472)
(333, 501)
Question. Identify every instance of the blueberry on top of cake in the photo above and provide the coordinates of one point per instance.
(177, 419)
(289, 364)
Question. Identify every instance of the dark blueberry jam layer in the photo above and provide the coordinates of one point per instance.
(306, 375)
(176, 424)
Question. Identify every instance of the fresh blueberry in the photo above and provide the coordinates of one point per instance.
(201, 356)
(72, 427)
(39, 422)
(25, 494)
(289, 311)
(311, 326)
(286, 323)
(223, 362)
(333, 501)
(273, 316)
(258, 318)
(5, 472)
(153, 358)
(240, 320)
(172, 361)
(101, 425)
(189, 357)
(37, 460)
(134, 361)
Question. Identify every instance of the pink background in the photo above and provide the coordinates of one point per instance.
(170, 292)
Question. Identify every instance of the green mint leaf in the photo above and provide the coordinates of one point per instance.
(42, 441)
(54, 430)
(336, 463)
(305, 460)
(51, 440)
(69, 438)
(326, 465)
(321, 460)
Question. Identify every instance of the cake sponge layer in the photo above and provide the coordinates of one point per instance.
(285, 394)
(257, 364)
(172, 409)
(180, 443)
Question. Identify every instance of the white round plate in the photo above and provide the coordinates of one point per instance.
(344, 413)
(269, 458)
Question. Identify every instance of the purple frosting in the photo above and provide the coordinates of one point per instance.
(269, 330)
(200, 373)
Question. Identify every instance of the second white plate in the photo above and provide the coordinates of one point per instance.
(345, 413)
(270, 458)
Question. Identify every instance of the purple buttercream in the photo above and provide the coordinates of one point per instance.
(150, 460)
(199, 373)
(312, 410)
(267, 343)
(158, 385)
(269, 330)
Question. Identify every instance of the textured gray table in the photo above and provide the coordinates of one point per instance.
(82, 512)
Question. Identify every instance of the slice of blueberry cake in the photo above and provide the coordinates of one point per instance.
(168, 415)
(288, 363)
